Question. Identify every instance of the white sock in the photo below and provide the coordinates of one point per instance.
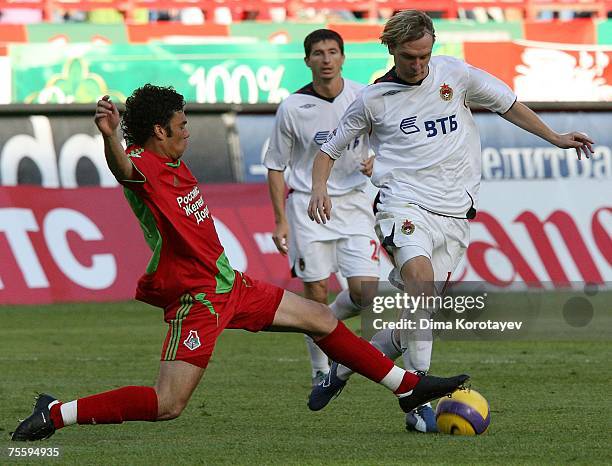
(384, 341)
(69, 413)
(417, 344)
(393, 379)
(318, 359)
(343, 306)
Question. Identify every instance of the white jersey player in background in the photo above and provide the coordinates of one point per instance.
(428, 170)
(303, 122)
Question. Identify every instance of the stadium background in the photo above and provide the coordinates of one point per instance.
(66, 233)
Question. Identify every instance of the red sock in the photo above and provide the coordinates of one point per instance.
(408, 382)
(348, 349)
(114, 407)
(56, 415)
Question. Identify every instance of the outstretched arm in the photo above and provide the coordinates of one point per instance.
(319, 208)
(107, 121)
(523, 117)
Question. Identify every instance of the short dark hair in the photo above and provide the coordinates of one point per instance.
(148, 106)
(318, 36)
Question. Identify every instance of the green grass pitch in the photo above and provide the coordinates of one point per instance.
(550, 400)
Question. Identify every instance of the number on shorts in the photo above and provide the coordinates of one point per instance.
(376, 250)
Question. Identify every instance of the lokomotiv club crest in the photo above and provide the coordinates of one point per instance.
(193, 340)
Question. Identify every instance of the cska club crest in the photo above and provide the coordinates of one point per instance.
(193, 340)
(446, 92)
(408, 227)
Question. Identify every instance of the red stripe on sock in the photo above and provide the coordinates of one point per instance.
(113, 407)
(56, 416)
(408, 383)
(357, 354)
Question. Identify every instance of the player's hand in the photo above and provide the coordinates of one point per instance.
(367, 166)
(107, 116)
(319, 209)
(281, 237)
(579, 141)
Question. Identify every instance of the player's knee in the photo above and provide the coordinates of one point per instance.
(418, 279)
(362, 291)
(362, 297)
(316, 291)
(321, 321)
(414, 275)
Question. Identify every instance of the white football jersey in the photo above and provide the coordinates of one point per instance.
(304, 121)
(426, 141)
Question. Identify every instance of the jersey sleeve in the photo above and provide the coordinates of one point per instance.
(281, 141)
(487, 90)
(145, 169)
(355, 122)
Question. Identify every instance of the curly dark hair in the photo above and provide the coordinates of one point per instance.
(148, 106)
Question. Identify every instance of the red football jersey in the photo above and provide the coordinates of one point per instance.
(178, 227)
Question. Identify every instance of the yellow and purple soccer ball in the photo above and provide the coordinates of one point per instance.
(465, 412)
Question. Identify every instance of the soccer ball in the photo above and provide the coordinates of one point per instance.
(465, 412)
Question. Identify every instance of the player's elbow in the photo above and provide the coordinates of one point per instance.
(325, 157)
(125, 173)
(275, 173)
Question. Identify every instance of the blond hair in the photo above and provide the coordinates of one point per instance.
(406, 26)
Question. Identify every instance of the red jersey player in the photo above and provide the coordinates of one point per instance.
(190, 277)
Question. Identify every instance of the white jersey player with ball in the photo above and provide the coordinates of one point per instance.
(428, 165)
(428, 171)
(348, 244)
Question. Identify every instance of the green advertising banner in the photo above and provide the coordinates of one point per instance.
(604, 32)
(473, 31)
(247, 73)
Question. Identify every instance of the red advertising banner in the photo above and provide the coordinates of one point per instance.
(59, 245)
(577, 31)
(86, 245)
(547, 72)
(357, 32)
(13, 33)
(142, 33)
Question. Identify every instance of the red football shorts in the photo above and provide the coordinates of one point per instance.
(197, 319)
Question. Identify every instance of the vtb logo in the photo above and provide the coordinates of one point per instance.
(442, 125)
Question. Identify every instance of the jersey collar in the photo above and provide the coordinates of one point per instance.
(309, 89)
(134, 151)
(392, 77)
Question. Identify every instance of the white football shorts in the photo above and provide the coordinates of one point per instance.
(346, 243)
(413, 231)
